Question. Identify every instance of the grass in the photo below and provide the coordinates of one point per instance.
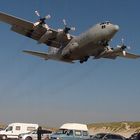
(114, 125)
(109, 125)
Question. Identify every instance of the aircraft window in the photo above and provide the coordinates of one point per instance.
(107, 22)
(102, 23)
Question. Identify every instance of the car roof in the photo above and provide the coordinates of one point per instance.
(74, 126)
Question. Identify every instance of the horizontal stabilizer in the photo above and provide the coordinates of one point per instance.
(39, 54)
(47, 56)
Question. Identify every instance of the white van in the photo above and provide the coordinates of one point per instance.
(71, 131)
(14, 129)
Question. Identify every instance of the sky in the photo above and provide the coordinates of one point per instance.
(52, 93)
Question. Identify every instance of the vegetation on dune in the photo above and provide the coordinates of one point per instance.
(2, 125)
(115, 126)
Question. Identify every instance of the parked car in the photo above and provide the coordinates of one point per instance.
(108, 136)
(33, 135)
(71, 131)
(14, 129)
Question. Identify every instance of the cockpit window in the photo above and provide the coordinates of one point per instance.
(105, 23)
(102, 23)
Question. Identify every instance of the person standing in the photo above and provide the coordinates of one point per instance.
(39, 131)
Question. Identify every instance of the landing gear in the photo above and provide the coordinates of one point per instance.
(84, 59)
(103, 43)
(81, 61)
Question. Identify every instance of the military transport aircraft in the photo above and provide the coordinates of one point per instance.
(68, 48)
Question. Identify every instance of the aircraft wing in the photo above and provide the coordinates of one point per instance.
(15, 21)
(129, 55)
(113, 55)
(27, 29)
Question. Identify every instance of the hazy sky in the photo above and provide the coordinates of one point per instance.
(52, 93)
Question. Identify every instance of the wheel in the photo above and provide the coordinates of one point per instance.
(86, 58)
(4, 137)
(28, 138)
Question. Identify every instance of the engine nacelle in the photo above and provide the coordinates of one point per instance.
(45, 37)
(60, 35)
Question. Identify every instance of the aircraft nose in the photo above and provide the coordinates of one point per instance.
(116, 27)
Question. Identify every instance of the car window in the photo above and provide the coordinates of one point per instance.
(70, 132)
(99, 136)
(78, 133)
(119, 137)
(85, 133)
(10, 128)
(61, 131)
(46, 132)
(34, 132)
(18, 128)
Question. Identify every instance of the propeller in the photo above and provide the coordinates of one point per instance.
(123, 47)
(67, 29)
(42, 19)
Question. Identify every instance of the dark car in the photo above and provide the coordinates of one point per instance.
(135, 136)
(108, 136)
(113, 137)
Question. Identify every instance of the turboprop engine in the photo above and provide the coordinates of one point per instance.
(64, 33)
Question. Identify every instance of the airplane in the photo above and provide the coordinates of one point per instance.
(62, 46)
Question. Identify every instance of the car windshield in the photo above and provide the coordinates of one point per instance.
(62, 131)
(100, 136)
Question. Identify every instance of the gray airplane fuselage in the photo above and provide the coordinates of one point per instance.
(91, 42)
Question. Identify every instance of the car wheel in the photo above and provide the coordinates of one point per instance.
(4, 137)
(28, 138)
